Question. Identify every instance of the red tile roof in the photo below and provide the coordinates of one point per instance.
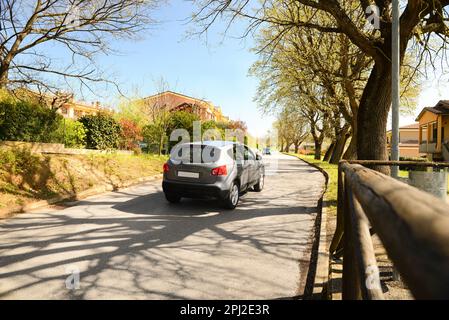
(411, 126)
(442, 107)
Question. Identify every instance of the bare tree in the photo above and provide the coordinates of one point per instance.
(30, 30)
(292, 127)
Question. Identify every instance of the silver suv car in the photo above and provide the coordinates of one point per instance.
(212, 169)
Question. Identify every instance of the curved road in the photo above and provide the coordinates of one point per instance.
(132, 244)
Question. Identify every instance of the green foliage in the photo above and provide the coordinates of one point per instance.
(157, 134)
(206, 125)
(154, 136)
(71, 133)
(133, 111)
(18, 161)
(412, 168)
(102, 131)
(182, 120)
(27, 121)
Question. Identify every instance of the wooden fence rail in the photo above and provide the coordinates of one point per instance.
(412, 225)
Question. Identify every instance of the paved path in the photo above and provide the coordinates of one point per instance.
(132, 244)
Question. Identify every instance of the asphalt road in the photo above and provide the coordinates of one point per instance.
(132, 244)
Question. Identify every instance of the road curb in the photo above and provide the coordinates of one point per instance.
(320, 289)
(75, 197)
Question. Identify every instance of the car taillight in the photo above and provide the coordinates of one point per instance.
(166, 167)
(219, 171)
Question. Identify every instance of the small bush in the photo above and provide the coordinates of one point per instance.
(71, 133)
(18, 161)
(411, 167)
(131, 134)
(102, 131)
(137, 151)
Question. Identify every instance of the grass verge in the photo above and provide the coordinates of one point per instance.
(26, 177)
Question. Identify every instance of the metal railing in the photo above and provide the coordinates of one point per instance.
(412, 225)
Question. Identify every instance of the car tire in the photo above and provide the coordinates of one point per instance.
(232, 200)
(259, 185)
(172, 198)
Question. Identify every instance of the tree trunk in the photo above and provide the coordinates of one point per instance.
(351, 151)
(329, 151)
(3, 77)
(339, 146)
(318, 144)
(373, 114)
(161, 142)
(296, 147)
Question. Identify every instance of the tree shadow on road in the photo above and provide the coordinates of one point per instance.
(124, 252)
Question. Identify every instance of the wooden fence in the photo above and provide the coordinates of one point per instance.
(412, 225)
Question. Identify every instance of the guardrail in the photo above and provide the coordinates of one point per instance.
(412, 225)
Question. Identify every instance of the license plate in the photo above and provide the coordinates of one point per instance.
(186, 174)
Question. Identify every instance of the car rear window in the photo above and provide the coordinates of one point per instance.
(240, 152)
(196, 153)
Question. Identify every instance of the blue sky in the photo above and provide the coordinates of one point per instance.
(215, 71)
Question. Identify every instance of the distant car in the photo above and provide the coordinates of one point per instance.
(267, 151)
(212, 169)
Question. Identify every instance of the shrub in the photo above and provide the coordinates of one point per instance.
(153, 135)
(26, 121)
(137, 151)
(181, 120)
(102, 131)
(71, 133)
(411, 167)
(18, 161)
(131, 134)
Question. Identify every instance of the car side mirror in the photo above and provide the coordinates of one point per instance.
(258, 157)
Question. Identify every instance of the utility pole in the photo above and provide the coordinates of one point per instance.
(395, 62)
(395, 82)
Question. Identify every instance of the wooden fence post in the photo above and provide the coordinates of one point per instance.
(338, 235)
(351, 279)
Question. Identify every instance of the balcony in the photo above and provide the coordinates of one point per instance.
(430, 147)
(423, 147)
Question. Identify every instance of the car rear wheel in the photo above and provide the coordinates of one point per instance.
(233, 197)
(259, 185)
(172, 198)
